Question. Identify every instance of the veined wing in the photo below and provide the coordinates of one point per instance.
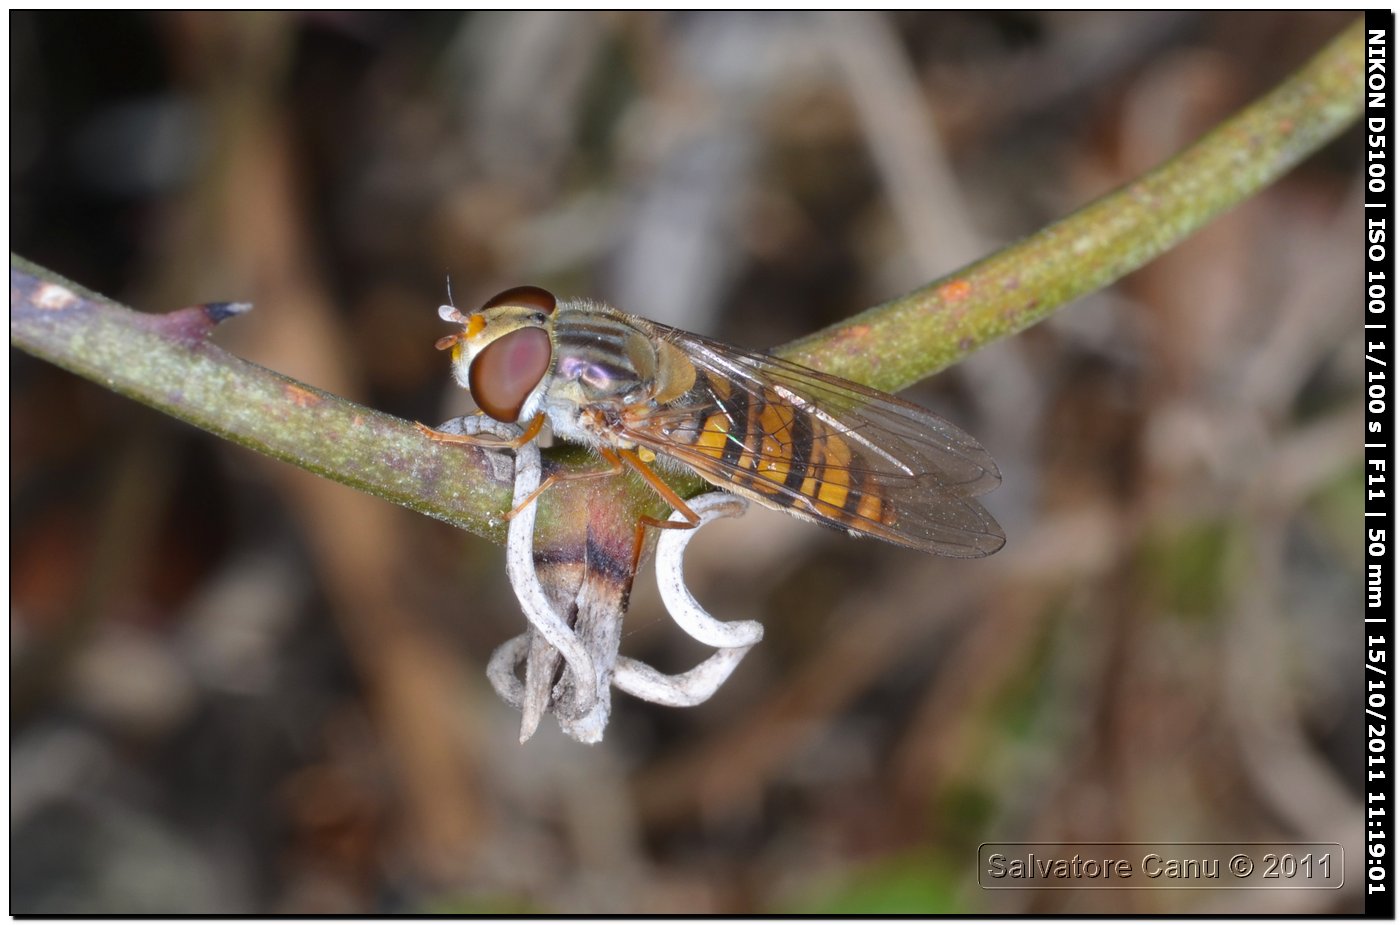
(825, 449)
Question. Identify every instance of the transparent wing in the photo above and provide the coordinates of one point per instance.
(825, 448)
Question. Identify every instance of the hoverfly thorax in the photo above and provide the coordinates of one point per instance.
(504, 352)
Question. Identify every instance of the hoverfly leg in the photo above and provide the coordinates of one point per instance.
(614, 467)
(667, 494)
(645, 521)
(532, 430)
(481, 440)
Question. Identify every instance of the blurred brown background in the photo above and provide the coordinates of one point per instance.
(238, 688)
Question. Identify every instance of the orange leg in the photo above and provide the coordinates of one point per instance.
(532, 430)
(667, 494)
(614, 467)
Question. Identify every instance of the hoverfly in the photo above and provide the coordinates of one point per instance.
(637, 392)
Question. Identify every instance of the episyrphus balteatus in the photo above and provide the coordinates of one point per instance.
(637, 392)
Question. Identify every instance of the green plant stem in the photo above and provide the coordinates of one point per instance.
(168, 362)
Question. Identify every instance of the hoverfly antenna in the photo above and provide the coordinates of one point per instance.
(449, 290)
(450, 313)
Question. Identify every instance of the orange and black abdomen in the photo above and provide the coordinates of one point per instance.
(781, 453)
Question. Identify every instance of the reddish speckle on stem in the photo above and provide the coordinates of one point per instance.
(301, 397)
(955, 291)
(855, 332)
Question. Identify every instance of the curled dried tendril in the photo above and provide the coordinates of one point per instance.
(578, 695)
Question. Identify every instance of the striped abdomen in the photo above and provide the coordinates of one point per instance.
(781, 452)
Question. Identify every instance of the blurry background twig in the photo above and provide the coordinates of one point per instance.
(193, 717)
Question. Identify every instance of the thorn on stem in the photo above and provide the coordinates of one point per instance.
(193, 324)
(219, 312)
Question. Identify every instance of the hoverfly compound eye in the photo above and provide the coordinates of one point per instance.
(507, 370)
(526, 296)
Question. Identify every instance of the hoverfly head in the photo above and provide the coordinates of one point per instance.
(504, 350)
